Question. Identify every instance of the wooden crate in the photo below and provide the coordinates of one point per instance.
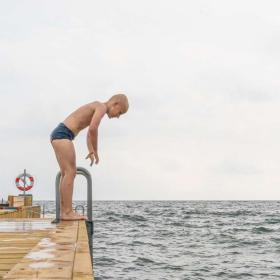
(28, 200)
(16, 201)
(21, 212)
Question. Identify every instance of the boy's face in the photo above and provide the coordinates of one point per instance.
(115, 110)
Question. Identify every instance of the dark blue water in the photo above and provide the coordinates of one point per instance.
(185, 239)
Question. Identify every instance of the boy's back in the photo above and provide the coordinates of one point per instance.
(82, 117)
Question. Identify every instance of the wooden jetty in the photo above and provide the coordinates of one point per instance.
(37, 249)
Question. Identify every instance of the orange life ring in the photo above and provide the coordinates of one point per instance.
(28, 185)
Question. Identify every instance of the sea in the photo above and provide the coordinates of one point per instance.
(188, 240)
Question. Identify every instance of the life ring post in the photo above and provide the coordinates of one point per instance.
(22, 183)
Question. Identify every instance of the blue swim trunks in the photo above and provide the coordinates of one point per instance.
(62, 132)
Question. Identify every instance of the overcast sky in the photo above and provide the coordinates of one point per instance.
(202, 78)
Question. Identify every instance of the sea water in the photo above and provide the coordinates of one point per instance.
(192, 240)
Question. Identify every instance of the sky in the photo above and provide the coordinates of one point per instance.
(202, 78)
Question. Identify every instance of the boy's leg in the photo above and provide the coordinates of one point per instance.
(65, 154)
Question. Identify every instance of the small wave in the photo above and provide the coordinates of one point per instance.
(186, 217)
(272, 221)
(235, 253)
(220, 274)
(173, 267)
(275, 239)
(176, 224)
(233, 213)
(114, 216)
(138, 243)
(117, 243)
(141, 243)
(134, 218)
(109, 213)
(260, 230)
(142, 261)
(163, 232)
(240, 275)
(240, 229)
(105, 261)
(195, 212)
(231, 246)
(249, 242)
(113, 219)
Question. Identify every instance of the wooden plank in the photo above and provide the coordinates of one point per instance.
(14, 260)
(12, 256)
(6, 266)
(82, 264)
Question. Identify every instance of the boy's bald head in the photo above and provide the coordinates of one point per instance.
(121, 99)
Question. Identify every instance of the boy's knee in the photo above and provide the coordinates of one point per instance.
(69, 172)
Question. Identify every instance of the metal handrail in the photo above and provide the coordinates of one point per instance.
(80, 206)
(89, 222)
(80, 171)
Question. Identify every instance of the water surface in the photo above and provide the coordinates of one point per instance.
(185, 239)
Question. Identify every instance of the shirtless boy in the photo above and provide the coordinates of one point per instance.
(61, 138)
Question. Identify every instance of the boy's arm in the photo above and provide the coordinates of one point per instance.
(92, 135)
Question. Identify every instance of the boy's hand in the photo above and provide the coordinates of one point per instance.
(92, 156)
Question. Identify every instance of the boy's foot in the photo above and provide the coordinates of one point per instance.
(72, 216)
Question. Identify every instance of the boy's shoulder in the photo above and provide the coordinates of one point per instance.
(98, 107)
(95, 105)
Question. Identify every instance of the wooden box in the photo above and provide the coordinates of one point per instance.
(27, 199)
(16, 201)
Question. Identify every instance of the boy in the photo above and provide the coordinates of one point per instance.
(89, 116)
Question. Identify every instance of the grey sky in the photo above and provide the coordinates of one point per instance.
(202, 79)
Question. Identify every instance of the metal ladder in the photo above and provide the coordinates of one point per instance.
(89, 222)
